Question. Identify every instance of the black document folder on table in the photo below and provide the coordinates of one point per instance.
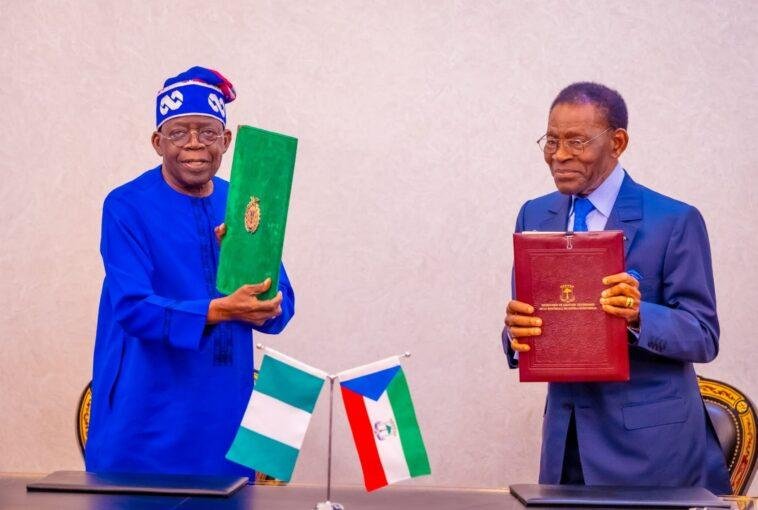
(126, 483)
(609, 496)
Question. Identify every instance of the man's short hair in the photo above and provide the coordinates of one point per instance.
(605, 98)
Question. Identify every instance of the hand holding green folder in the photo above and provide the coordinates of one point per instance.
(256, 210)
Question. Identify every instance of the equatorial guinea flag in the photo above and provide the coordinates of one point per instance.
(277, 415)
(381, 415)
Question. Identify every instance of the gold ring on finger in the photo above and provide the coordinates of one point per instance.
(629, 302)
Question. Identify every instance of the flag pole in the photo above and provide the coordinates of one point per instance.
(329, 504)
(329, 465)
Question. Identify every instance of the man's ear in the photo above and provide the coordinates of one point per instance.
(227, 139)
(156, 141)
(620, 142)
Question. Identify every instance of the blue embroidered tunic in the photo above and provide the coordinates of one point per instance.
(168, 391)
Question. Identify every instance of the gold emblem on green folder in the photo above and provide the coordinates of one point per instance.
(253, 215)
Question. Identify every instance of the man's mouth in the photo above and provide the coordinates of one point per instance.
(564, 172)
(194, 162)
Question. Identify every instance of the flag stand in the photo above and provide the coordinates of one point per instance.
(311, 383)
(329, 505)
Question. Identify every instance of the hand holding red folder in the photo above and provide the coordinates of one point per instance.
(623, 299)
(521, 323)
(614, 300)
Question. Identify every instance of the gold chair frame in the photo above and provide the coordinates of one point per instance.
(737, 405)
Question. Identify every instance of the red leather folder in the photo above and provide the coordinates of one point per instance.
(560, 274)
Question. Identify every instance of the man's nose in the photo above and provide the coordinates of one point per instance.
(194, 139)
(562, 154)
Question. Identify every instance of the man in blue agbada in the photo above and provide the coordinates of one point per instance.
(173, 364)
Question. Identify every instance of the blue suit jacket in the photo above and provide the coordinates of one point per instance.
(652, 430)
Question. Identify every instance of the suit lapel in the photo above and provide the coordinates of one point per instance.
(627, 212)
(556, 216)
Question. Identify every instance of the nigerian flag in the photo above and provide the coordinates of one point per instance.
(277, 416)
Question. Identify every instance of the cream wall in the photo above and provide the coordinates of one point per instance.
(417, 123)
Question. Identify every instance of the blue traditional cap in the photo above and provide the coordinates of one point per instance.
(196, 91)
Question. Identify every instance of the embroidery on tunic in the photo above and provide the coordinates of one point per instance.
(223, 353)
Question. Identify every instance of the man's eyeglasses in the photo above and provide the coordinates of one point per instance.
(181, 137)
(550, 144)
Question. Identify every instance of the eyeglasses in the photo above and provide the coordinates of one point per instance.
(181, 137)
(550, 144)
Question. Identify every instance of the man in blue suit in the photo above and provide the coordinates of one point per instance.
(653, 429)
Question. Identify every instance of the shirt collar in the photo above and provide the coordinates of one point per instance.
(605, 195)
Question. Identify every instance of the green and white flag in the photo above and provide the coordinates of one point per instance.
(277, 416)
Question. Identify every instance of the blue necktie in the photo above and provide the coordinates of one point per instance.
(582, 207)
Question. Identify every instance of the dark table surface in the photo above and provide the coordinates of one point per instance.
(14, 496)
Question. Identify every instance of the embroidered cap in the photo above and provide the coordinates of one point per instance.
(196, 91)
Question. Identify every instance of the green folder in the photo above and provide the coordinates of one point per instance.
(256, 210)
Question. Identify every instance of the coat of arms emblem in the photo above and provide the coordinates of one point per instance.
(384, 429)
(567, 293)
(252, 215)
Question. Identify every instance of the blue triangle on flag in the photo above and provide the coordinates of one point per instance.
(372, 385)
